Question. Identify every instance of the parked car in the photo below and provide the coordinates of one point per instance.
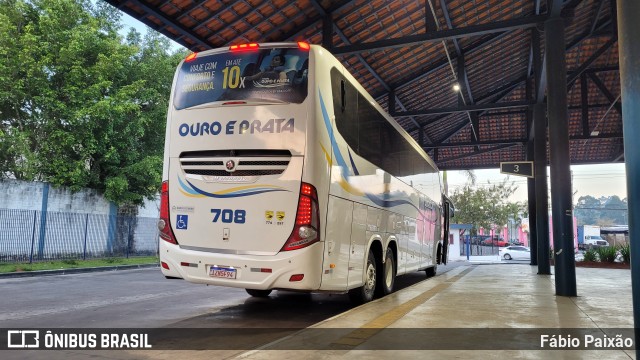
(495, 242)
(515, 252)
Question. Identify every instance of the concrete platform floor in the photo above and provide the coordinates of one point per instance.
(492, 311)
(494, 298)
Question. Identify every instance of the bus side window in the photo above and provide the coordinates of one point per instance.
(345, 97)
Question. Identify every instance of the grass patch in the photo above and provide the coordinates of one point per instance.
(72, 264)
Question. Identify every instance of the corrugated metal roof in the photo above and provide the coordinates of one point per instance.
(494, 64)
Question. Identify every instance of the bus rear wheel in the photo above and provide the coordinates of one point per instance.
(258, 293)
(388, 278)
(366, 292)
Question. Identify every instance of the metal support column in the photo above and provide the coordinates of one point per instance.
(43, 220)
(542, 203)
(629, 49)
(561, 195)
(531, 182)
(531, 188)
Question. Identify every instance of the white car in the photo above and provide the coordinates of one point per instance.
(515, 252)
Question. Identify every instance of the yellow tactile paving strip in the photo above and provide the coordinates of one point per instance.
(368, 330)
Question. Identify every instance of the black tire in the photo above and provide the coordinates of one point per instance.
(507, 257)
(431, 272)
(366, 292)
(388, 278)
(258, 293)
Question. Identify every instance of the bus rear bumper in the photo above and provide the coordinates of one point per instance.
(250, 271)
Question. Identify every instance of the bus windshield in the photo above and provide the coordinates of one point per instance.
(269, 75)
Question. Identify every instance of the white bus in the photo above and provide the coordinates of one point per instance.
(282, 172)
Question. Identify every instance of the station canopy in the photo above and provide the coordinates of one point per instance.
(409, 55)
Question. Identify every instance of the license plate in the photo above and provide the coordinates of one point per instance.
(222, 272)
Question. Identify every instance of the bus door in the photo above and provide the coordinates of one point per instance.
(447, 213)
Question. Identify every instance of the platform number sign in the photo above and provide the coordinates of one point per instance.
(518, 168)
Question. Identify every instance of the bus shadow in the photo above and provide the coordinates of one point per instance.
(284, 309)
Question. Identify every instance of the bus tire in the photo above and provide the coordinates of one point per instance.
(388, 278)
(258, 293)
(366, 292)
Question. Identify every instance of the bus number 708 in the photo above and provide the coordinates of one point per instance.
(228, 216)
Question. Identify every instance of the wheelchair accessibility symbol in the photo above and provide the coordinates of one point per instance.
(182, 222)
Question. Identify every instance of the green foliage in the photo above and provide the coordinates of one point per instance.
(625, 251)
(607, 253)
(605, 211)
(486, 206)
(79, 105)
(590, 255)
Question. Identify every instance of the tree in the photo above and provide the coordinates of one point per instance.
(486, 206)
(587, 210)
(615, 209)
(604, 211)
(80, 106)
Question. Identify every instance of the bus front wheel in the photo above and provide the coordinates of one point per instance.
(365, 292)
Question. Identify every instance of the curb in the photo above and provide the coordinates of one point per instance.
(75, 270)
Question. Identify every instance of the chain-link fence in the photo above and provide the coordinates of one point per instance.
(31, 235)
(479, 250)
(475, 246)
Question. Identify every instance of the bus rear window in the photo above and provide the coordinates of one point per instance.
(263, 75)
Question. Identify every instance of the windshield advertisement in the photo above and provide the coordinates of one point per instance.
(272, 75)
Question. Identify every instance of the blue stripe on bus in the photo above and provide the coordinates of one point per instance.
(334, 145)
(192, 189)
(353, 164)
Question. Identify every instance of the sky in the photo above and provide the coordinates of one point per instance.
(595, 180)
(130, 22)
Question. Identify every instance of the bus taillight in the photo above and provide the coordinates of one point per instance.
(303, 45)
(305, 231)
(191, 57)
(244, 47)
(163, 224)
